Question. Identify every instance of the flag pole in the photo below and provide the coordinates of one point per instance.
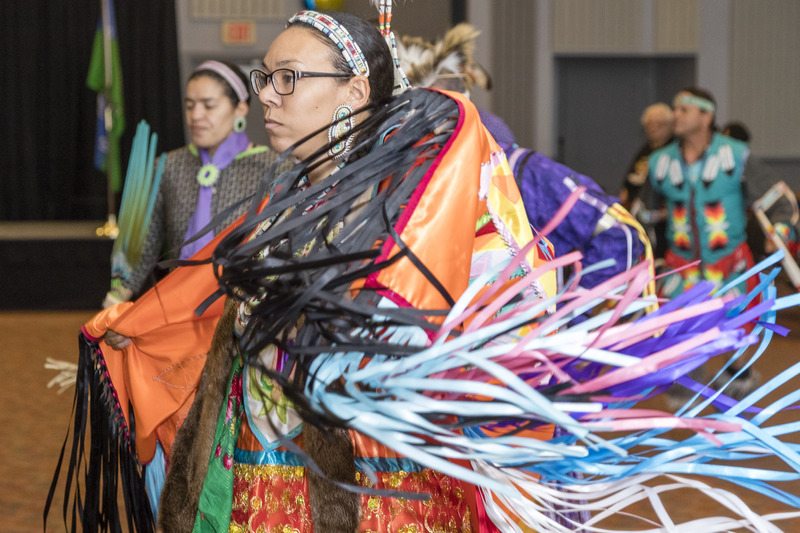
(110, 228)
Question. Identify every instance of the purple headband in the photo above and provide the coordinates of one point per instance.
(228, 75)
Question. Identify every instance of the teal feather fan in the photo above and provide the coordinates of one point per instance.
(142, 181)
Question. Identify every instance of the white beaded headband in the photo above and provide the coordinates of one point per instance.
(339, 35)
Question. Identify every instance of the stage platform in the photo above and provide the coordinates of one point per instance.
(53, 265)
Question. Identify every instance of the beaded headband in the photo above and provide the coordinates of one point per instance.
(339, 35)
(228, 75)
(698, 101)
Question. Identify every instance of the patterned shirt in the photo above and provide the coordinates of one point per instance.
(177, 199)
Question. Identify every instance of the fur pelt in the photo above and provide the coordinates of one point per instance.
(193, 444)
(333, 508)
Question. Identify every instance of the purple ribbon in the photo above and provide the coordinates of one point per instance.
(235, 144)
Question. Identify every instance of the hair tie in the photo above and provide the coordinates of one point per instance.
(385, 21)
(339, 35)
(228, 75)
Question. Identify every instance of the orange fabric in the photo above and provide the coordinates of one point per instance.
(160, 370)
(447, 251)
(434, 226)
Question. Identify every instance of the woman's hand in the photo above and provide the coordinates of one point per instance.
(116, 340)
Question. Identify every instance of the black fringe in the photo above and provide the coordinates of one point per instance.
(306, 276)
(112, 457)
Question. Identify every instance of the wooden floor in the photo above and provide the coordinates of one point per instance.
(35, 418)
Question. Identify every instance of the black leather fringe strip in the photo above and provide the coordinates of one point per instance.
(111, 461)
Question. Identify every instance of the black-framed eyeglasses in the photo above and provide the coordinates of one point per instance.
(284, 79)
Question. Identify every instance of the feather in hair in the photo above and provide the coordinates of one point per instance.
(425, 63)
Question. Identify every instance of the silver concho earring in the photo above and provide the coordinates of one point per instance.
(339, 132)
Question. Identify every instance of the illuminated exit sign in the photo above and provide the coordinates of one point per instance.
(238, 32)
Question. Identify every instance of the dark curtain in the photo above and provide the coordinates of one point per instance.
(48, 122)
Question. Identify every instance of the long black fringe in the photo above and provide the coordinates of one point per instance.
(305, 277)
(112, 457)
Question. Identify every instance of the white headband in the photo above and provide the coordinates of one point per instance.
(228, 75)
(337, 33)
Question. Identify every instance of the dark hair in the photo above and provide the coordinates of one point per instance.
(702, 93)
(372, 44)
(455, 83)
(229, 92)
(737, 130)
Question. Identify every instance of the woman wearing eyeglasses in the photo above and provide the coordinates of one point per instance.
(396, 203)
(219, 169)
(374, 174)
(368, 345)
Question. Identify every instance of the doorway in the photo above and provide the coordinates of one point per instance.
(600, 102)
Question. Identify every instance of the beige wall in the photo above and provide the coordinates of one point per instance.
(428, 19)
(748, 52)
(199, 31)
(765, 73)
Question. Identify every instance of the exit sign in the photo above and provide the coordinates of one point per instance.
(238, 32)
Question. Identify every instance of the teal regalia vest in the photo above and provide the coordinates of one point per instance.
(705, 201)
